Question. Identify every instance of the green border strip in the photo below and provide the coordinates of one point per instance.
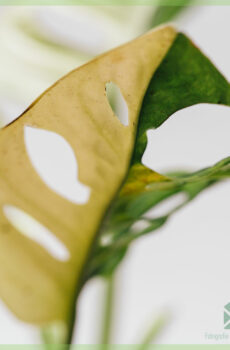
(110, 2)
(114, 347)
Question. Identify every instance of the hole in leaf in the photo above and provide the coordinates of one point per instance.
(35, 231)
(117, 102)
(139, 226)
(192, 138)
(55, 162)
(166, 206)
(106, 240)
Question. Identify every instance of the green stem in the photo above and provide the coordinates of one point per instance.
(56, 336)
(108, 310)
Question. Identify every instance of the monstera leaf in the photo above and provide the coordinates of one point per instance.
(156, 75)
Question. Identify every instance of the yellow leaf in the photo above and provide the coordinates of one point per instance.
(36, 286)
(139, 177)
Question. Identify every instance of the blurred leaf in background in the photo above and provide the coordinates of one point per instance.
(38, 45)
(164, 14)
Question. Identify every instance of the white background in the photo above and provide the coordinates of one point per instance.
(182, 269)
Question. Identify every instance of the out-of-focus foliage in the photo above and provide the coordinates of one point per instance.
(38, 45)
(164, 14)
(133, 215)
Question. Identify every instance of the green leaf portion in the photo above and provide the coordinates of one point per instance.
(119, 231)
(185, 78)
